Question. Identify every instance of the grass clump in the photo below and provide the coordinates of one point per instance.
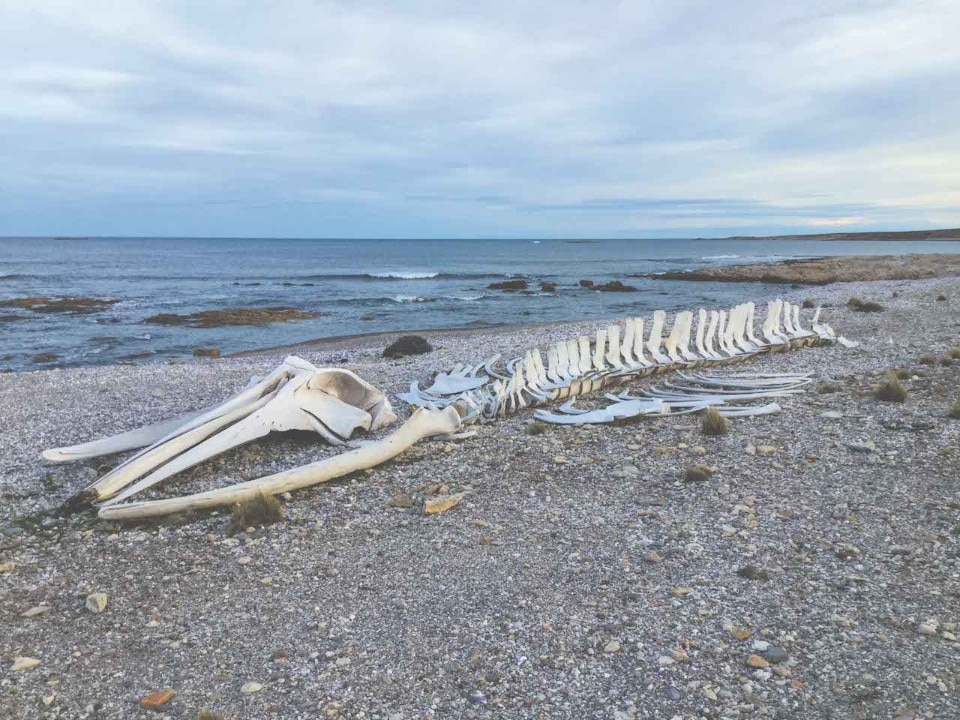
(941, 298)
(825, 388)
(808, 303)
(891, 390)
(955, 410)
(537, 427)
(713, 423)
(946, 360)
(867, 306)
(955, 353)
(902, 374)
(259, 510)
(697, 473)
(208, 715)
(928, 360)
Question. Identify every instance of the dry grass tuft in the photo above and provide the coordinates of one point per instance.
(891, 390)
(825, 388)
(955, 353)
(955, 410)
(903, 374)
(808, 303)
(697, 473)
(941, 298)
(258, 510)
(713, 423)
(928, 360)
(208, 715)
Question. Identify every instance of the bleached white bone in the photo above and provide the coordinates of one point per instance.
(656, 338)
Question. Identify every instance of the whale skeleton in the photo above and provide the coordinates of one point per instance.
(620, 353)
(335, 403)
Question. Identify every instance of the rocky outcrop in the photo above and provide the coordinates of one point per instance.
(233, 316)
(614, 286)
(509, 285)
(73, 305)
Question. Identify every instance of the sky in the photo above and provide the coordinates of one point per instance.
(493, 119)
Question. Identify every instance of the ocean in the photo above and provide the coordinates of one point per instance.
(360, 285)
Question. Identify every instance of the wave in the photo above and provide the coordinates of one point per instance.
(719, 257)
(407, 275)
(406, 299)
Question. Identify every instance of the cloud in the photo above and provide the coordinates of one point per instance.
(352, 119)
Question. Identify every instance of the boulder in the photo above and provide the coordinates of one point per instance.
(548, 287)
(509, 285)
(407, 345)
(213, 352)
(615, 286)
(586, 283)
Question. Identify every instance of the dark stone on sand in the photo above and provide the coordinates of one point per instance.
(75, 305)
(775, 654)
(213, 352)
(45, 357)
(548, 287)
(614, 286)
(407, 345)
(233, 316)
(510, 285)
(586, 283)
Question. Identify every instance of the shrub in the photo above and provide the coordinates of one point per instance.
(868, 306)
(928, 360)
(891, 390)
(946, 360)
(955, 410)
(259, 510)
(955, 353)
(809, 303)
(697, 473)
(713, 423)
(903, 374)
(826, 388)
(855, 302)
(537, 427)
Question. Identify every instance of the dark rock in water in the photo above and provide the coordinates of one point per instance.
(407, 345)
(138, 355)
(548, 287)
(101, 338)
(11, 318)
(207, 352)
(233, 316)
(615, 286)
(107, 321)
(752, 572)
(45, 357)
(586, 283)
(75, 305)
(517, 284)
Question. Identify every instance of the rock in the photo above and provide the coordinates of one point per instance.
(752, 572)
(245, 560)
(442, 503)
(548, 287)
(612, 647)
(400, 500)
(24, 663)
(231, 317)
(35, 611)
(157, 699)
(7, 567)
(614, 286)
(509, 285)
(97, 602)
(248, 688)
(867, 447)
(73, 305)
(755, 661)
(654, 557)
(766, 449)
(759, 646)
(775, 654)
(45, 357)
(928, 627)
(831, 415)
(213, 352)
(665, 661)
(586, 283)
(407, 345)
(478, 698)
(740, 633)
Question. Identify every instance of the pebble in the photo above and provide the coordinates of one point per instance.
(665, 660)
(612, 647)
(767, 449)
(35, 611)
(96, 602)
(831, 415)
(24, 663)
(245, 560)
(7, 567)
(867, 447)
(775, 654)
(157, 699)
(756, 661)
(400, 500)
(248, 688)
(928, 628)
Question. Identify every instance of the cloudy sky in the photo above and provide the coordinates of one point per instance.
(499, 119)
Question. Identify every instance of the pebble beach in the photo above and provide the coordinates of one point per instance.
(816, 574)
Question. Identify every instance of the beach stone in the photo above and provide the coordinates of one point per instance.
(866, 447)
(612, 647)
(755, 661)
(7, 567)
(407, 345)
(775, 654)
(831, 415)
(213, 352)
(35, 611)
(24, 663)
(928, 627)
(158, 699)
(248, 688)
(96, 602)
(400, 500)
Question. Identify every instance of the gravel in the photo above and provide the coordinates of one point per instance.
(579, 576)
